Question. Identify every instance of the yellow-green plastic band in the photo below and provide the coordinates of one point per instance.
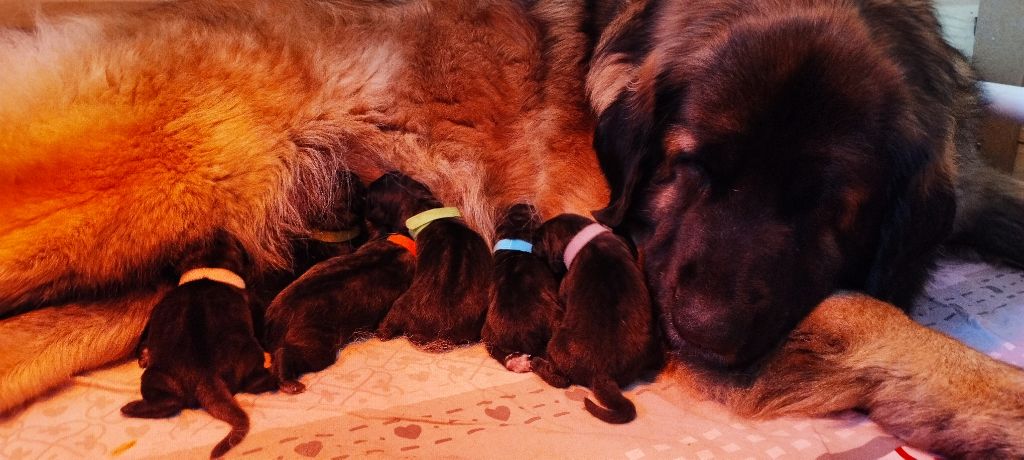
(417, 223)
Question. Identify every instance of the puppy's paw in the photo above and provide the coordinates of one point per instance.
(144, 358)
(292, 387)
(518, 362)
(547, 371)
(389, 328)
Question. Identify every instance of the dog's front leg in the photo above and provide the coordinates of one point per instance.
(855, 352)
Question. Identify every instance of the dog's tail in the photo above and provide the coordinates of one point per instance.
(216, 398)
(617, 408)
(44, 348)
(990, 213)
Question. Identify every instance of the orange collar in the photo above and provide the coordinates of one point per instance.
(403, 241)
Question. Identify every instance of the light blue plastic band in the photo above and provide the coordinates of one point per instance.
(513, 245)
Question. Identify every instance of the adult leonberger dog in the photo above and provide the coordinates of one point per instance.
(762, 155)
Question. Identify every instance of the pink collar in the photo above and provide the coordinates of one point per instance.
(580, 240)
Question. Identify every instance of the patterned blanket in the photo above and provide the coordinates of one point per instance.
(388, 400)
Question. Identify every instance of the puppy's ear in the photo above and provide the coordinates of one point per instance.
(921, 210)
(623, 143)
(548, 245)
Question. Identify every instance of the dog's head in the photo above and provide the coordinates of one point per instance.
(760, 165)
(393, 198)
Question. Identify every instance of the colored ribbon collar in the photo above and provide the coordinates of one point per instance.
(580, 240)
(220, 275)
(403, 241)
(339, 236)
(417, 223)
(513, 245)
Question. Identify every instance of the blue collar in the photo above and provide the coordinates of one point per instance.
(513, 245)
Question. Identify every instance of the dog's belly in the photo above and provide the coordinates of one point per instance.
(138, 136)
(465, 105)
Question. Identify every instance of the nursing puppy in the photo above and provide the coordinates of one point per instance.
(524, 294)
(342, 296)
(606, 338)
(201, 347)
(338, 229)
(447, 301)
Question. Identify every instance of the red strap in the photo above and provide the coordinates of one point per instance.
(904, 454)
(403, 241)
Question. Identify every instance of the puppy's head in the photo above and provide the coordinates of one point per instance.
(762, 169)
(553, 236)
(347, 206)
(519, 221)
(393, 198)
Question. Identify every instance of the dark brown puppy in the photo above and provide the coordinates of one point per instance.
(201, 346)
(606, 338)
(337, 230)
(448, 298)
(337, 298)
(524, 295)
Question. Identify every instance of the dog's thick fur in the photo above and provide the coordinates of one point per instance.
(607, 335)
(447, 301)
(523, 303)
(800, 146)
(344, 213)
(326, 306)
(201, 347)
(126, 139)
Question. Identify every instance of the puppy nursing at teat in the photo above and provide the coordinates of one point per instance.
(607, 336)
(336, 230)
(446, 303)
(524, 296)
(336, 299)
(217, 357)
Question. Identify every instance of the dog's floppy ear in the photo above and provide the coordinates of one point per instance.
(921, 210)
(623, 143)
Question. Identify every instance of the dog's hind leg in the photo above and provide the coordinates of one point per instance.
(152, 409)
(44, 348)
(855, 352)
(547, 371)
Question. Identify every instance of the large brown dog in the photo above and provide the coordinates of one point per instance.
(799, 146)
(123, 140)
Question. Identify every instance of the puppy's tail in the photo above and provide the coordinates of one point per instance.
(44, 348)
(216, 398)
(990, 213)
(617, 409)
